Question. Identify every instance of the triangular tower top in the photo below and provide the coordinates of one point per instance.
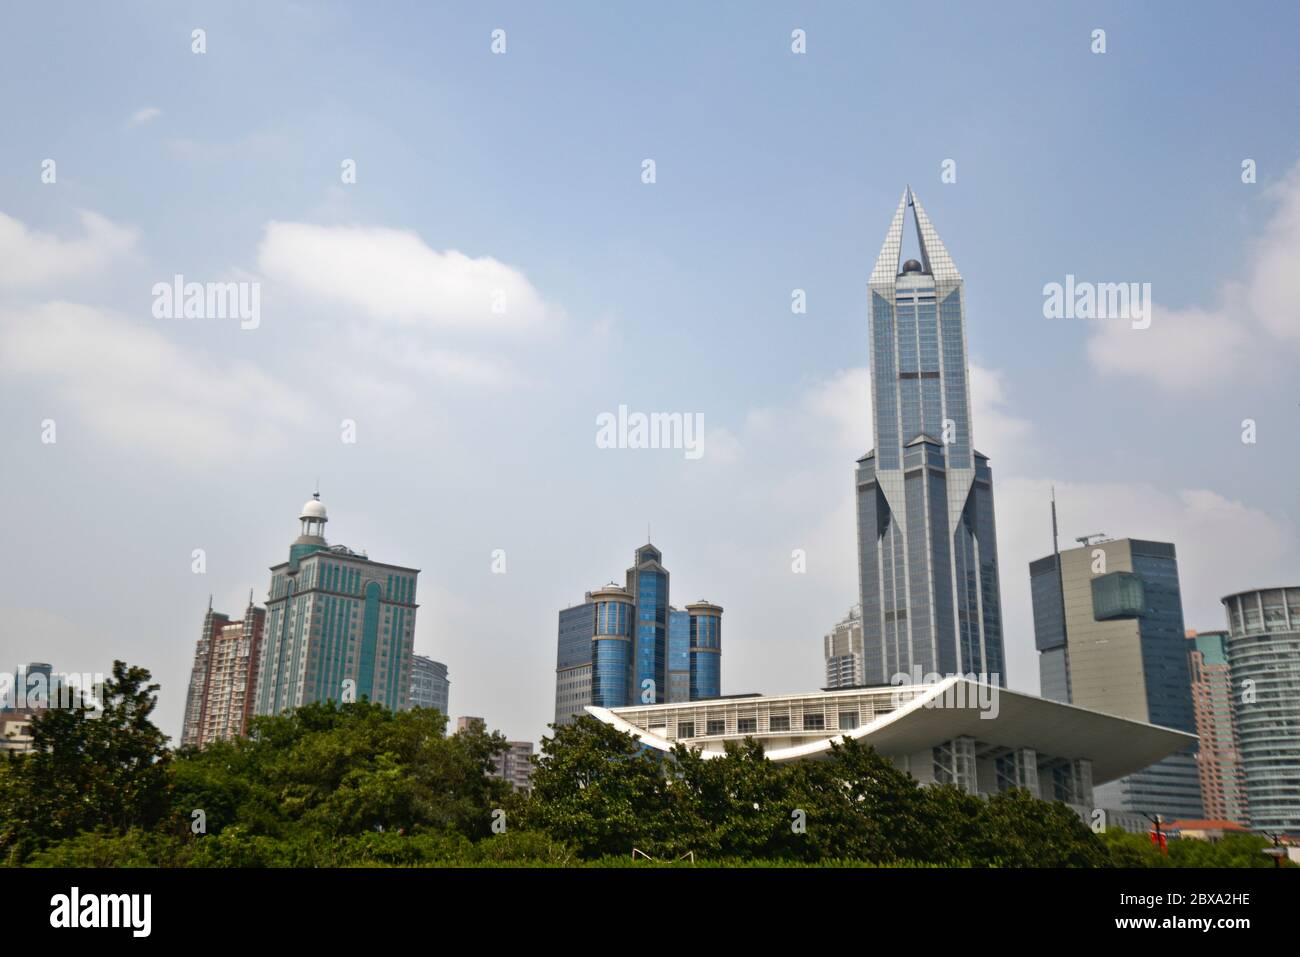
(934, 254)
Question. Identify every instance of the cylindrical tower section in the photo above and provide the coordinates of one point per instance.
(611, 646)
(706, 650)
(1264, 660)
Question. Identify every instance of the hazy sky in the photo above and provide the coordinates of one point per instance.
(520, 173)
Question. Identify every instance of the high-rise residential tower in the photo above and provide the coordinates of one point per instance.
(223, 681)
(1108, 623)
(1223, 788)
(927, 545)
(430, 686)
(1264, 655)
(843, 650)
(627, 645)
(339, 626)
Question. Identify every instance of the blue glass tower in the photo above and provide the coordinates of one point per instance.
(627, 646)
(611, 647)
(679, 655)
(706, 650)
(927, 545)
(647, 583)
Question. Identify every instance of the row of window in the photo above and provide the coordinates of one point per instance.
(776, 723)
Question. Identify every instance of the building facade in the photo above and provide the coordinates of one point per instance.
(1223, 786)
(1108, 625)
(927, 543)
(223, 679)
(1264, 658)
(706, 650)
(842, 647)
(573, 664)
(980, 738)
(430, 686)
(627, 643)
(339, 626)
(515, 765)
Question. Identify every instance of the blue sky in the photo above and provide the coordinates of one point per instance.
(775, 171)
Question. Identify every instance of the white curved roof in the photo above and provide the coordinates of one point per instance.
(1115, 746)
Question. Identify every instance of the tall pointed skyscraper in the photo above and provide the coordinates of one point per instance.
(927, 546)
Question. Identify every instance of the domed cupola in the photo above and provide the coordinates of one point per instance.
(311, 537)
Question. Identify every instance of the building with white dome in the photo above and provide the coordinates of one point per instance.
(339, 625)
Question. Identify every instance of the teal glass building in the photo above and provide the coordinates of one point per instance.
(927, 542)
(339, 626)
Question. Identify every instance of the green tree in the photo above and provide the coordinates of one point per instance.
(598, 789)
(737, 804)
(88, 770)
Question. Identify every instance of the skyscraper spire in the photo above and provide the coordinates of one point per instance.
(927, 546)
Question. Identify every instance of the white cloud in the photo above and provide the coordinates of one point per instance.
(30, 258)
(1184, 350)
(135, 388)
(393, 276)
(1180, 351)
(141, 117)
(443, 366)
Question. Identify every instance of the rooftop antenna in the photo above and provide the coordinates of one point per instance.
(1086, 540)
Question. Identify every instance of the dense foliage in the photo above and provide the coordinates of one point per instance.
(356, 785)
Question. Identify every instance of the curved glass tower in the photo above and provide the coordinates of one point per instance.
(1264, 657)
(611, 646)
(706, 650)
(927, 545)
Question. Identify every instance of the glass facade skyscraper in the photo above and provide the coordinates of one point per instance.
(430, 686)
(573, 660)
(627, 645)
(1264, 658)
(647, 583)
(927, 543)
(1108, 625)
(679, 655)
(706, 650)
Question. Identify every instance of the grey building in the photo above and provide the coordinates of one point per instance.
(573, 660)
(430, 686)
(515, 765)
(842, 647)
(1264, 659)
(927, 546)
(1108, 625)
